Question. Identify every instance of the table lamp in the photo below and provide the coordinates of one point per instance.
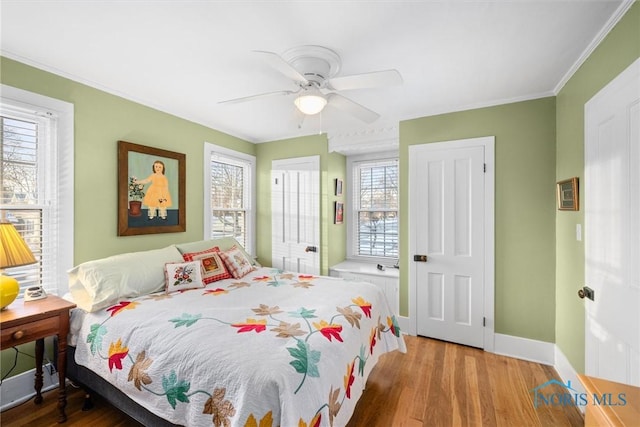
(14, 252)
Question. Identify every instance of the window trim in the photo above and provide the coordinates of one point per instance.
(352, 212)
(63, 158)
(212, 149)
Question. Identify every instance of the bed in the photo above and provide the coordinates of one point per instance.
(268, 348)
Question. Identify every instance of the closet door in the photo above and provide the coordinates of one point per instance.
(295, 211)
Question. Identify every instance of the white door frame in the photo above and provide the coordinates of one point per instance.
(488, 143)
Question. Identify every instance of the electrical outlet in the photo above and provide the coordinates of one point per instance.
(50, 368)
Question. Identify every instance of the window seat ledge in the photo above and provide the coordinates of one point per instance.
(359, 267)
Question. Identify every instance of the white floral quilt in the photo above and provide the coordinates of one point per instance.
(271, 349)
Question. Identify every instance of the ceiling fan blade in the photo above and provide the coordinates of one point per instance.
(353, 108)
(259, 96)
(277, 62)
(366, 80)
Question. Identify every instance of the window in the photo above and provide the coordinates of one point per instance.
(229, 195)
(36, 179)
(373, 230)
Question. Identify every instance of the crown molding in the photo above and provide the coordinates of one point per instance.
(615, 18)
(384, 137)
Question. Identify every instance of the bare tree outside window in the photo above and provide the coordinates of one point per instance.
(377, 213)
(19, 161)
(20, 202)
(228, 201)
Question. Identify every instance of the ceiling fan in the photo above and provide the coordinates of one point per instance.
(313, 69)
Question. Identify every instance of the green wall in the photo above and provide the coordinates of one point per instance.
(332, 166)
(539, 264)
(524, 207)
(618, 50)
(101, 120)
(336, 233)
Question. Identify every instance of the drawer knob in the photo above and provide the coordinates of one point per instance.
(18, 334)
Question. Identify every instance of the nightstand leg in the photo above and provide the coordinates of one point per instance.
(39, 358)
(62, 369)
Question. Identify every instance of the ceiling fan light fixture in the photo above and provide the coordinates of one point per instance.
(311, 104)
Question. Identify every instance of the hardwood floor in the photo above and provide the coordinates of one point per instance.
(433, 384)
(443, 384)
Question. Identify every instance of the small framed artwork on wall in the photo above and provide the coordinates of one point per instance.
(338, 187)
(567, 194)
(339, 213)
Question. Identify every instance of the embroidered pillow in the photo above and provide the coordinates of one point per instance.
(223, 243)
(183, 275)
(213, 269)
(236, 262)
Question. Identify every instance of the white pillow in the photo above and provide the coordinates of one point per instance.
(98, 284)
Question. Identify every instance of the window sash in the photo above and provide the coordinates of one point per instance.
(55, 176)
(229, 223)
(377, 234)
(230, 199)
(374, 217)
(26, 196)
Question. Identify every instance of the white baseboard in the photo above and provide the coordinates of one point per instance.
(541, 352)
(567, 373)
(506, 345)
(19, 388)
(405, 325)
(524, 348)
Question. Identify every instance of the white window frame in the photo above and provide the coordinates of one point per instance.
(211, 150)
(352, 238)
(59, 156)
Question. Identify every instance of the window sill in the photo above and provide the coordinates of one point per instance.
(359, 267)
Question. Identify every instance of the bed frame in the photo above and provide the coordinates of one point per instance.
(92, 383)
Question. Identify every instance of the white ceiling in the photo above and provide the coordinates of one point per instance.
(184, 57)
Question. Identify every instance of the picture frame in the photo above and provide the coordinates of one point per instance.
(567, 194)
(338, 216)
(338, 187)
(151, 190)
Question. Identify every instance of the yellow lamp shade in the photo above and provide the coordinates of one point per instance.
(14, 252)
(9, 290)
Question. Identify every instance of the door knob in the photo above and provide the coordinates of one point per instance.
(311, 249)
(586, 292)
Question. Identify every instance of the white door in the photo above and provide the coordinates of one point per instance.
(612, 230)
(449, 223)
(295, 210)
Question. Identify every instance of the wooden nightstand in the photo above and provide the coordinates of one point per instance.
(23, 322)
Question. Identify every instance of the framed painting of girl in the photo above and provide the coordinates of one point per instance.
(151, 190)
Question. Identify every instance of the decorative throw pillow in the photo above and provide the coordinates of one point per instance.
(223, 243)
(183, 275)
(236, 262)
(213, 269)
